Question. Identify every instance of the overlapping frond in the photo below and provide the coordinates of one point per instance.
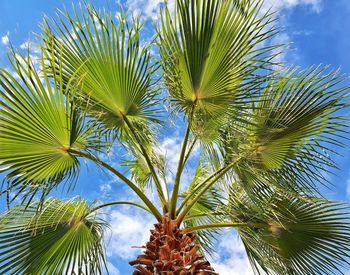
(299, 108)
(267, 141)
(211, 51)
(38, 127)
(115, 75)
(59, 238)
(290, 130)
(107, 56)
(289, 235)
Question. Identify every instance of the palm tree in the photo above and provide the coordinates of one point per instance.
(267, 136)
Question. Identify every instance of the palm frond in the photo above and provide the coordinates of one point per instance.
(211, 51)
(140, 171)
(295, 236)
(108, 58)
(291, 129)
(59, 238)
(38, 127)
(299, 108)
(115, 74)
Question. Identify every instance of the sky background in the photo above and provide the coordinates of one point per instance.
(318, 33)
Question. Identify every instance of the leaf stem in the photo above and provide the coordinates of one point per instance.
(120, 203)
(189, 217)
(221, 172)
(223, 225)
(150, 166)
(181, 165)
(133, 186)
(190, 148)
(198, 186)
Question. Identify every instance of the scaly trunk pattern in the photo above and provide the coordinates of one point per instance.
(171, 252)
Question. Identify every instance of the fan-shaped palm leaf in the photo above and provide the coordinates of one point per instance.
(107, 56)
(115, 71)
(290, 129)
(295, 235)
(59, 238)
(38, 127)
(298, 108)
(210, 50)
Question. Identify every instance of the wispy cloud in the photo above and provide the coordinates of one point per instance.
(129, 228)
(231, 258)
(315, 5)
(284, 38)
(34, 48)
(284, 53)
(112, 269)
(5, 39)
(170, 147)
(149, 8)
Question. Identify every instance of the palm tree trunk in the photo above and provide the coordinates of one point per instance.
(171, 252)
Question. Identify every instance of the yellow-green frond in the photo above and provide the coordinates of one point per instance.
(58, 238)
(293, 235)
(38, 127)
(210, 50)
(289, 131)
(106, 55)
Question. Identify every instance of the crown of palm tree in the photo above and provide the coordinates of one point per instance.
(267, 136)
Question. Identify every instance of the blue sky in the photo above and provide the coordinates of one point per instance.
(318, 31)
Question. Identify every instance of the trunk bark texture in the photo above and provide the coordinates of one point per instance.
(170, 252)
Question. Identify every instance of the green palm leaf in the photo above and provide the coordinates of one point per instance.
(107, 56)
(210, 51)
(298, 108)
(295, 121)
(295, 235)
(115, 76)
(38, 127)
(59, 238)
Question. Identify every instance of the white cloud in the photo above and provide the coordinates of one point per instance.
(106, 187)
(285, 40)
(34, 48)
(149, 8)
(129, 229)
(5, 39)
(231, 258)
(315, 5)
(112, 269)
(170, 147)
